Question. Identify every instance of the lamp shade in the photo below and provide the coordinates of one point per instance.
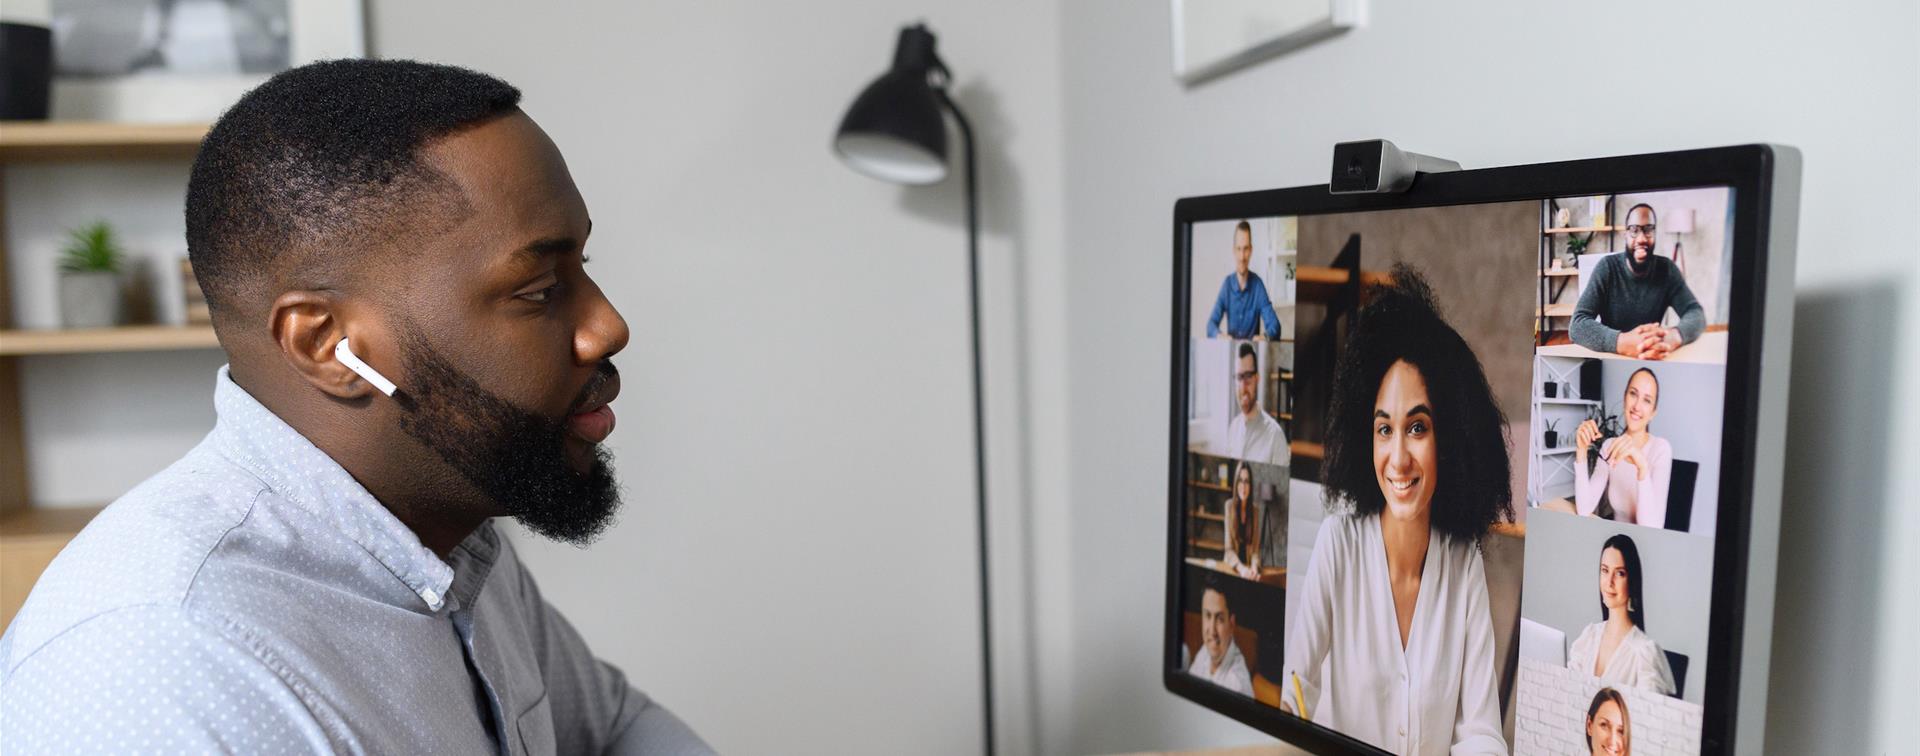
(895, 130)
(1679, 220)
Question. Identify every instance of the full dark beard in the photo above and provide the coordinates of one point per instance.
(516, 458)
(1639, 267)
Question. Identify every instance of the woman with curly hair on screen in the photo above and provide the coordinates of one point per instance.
(1392, 640)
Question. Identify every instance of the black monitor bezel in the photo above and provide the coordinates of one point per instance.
(1747, 170)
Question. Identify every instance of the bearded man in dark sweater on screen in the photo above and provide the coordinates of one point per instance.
(1628, 295)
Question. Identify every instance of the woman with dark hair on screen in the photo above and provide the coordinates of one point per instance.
(1608, 732)
(1243, 527)
(1617, 649)
(1392, 638)
(1632, 472)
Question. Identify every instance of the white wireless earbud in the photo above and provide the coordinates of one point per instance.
(357, 365)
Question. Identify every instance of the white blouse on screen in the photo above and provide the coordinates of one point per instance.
(1343, 643)
(1637, 662)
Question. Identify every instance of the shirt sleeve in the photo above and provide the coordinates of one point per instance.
(1587, 487)
(595, 709)
(1586, 328)
(153, 679)
(1219, 309)
(1310, 631)
(1263, 304)
(1477, 724)
(1693, 317)
(1651, 510)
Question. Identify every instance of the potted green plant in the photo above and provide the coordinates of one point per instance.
(90, 266)
(1576, 246)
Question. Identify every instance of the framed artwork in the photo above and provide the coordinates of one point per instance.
(186, 60)
(1214, 37)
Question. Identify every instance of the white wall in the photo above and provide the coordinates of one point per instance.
(1500, 83)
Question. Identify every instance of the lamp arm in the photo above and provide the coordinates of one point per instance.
(979, 401)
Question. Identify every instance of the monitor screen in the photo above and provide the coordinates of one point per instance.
(1455, 476)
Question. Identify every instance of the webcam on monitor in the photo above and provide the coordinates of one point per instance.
(1376, 166)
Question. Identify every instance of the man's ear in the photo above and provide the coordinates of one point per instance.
(306, 326)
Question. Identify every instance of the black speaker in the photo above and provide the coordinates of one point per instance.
(1590, 381)
(26, 71)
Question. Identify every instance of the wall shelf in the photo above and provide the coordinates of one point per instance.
(134, 338)
(31, 535)
(22, 141)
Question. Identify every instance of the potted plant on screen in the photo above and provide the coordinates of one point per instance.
(1552, 435)
(90, 265)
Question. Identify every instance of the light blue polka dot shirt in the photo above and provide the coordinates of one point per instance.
(254, 598)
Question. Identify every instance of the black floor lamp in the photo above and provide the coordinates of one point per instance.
(895, 131)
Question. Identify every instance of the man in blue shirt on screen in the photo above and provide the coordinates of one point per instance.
(1243, 296)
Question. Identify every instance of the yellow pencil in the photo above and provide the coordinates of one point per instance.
(1300, 699)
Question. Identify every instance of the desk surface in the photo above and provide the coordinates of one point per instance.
(1710, 348)
(1272, 749)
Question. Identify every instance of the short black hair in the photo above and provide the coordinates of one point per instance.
(1402, 322)
(1629, 213)
(1247, 350)
(1214, 582)
(1629, 558)
(317, 161)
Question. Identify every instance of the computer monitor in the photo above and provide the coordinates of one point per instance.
(1491, 465)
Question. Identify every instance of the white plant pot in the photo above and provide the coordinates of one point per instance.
(90, 300)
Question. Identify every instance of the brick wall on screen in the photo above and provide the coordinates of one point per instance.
(1552, 709)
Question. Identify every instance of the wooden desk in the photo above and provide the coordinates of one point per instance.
(1709, 349)
(1269, 575)
(1272, 749)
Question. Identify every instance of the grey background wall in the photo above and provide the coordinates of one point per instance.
(1499, 83)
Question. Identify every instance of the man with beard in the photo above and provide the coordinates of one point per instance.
(1243, 302)
(321, 574)
(1252, 434)
(1219, 659)
(1629, 293)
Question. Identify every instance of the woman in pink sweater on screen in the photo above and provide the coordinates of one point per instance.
(1629, 482)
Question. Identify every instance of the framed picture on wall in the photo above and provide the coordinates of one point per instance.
(1214, 37)
(186, 60)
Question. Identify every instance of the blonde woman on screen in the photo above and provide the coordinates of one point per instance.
(1608, 732)
(1243, 527)
(1392, 638)
(1617, 649)
(1633, 468)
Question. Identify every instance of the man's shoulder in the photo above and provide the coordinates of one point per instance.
(144, 549)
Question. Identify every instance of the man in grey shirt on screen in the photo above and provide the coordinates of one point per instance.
(321, 573)
(1628, 295)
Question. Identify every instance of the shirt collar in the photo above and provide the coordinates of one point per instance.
(253, 437)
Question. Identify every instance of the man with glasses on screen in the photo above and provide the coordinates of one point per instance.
(1252, 434)
(1219, 660)
(1243, 299)
(1629, 294)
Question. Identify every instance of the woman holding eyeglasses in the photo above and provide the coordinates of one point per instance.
(1628, 483)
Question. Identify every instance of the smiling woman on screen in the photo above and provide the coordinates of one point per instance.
(1392, 641)
(1632, 473)
(1617, 649)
